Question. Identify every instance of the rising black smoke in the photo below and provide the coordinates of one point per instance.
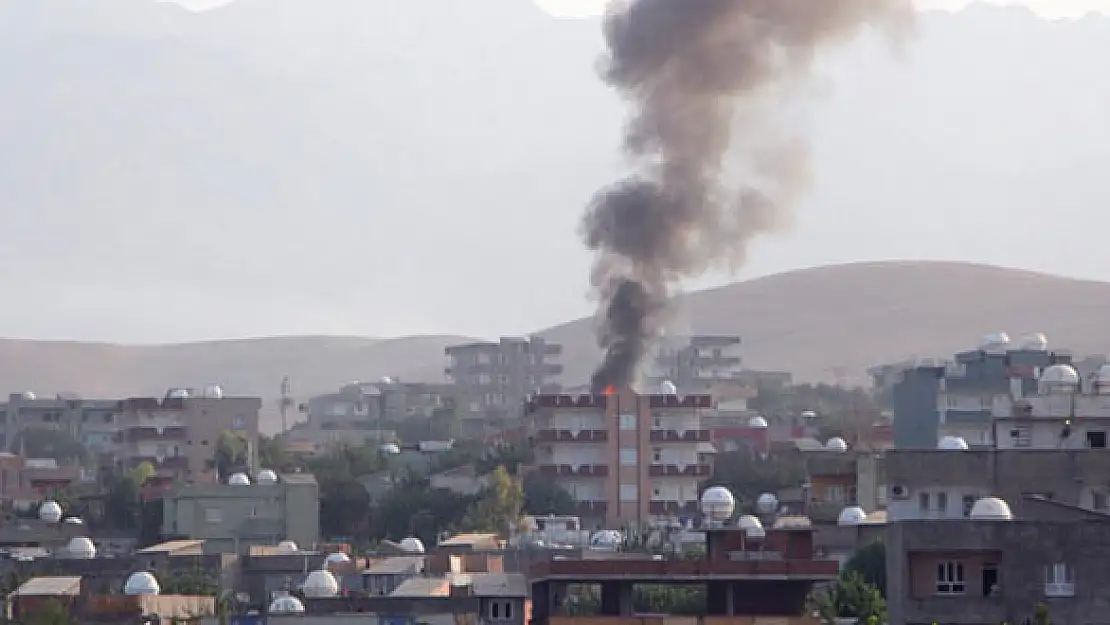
(700, 75)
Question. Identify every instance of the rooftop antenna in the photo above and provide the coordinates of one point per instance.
(286, 402)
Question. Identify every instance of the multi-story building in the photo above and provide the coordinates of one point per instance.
(178, 434)
(934, 399)
(230, 518)
(696, 363)
(625, 458)
(91, 422)
(998, 567)
(1049, 441)
(748, 577)
(360, 405)
(492, 380)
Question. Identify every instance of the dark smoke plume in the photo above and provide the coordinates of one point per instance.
(700, 76)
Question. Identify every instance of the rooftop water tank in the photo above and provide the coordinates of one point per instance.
(81, 548)
(321, 584)
(991, 509)
(718, 503)
(852, 515)
(142, 583)
(50, 512)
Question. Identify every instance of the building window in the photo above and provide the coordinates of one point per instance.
(657, 455)
(238, 422)
(628, 457)
(501, 610)
(968, 504)
(950, 578)
(834, 493)
(1059, 580)
(628, 421)
(1022, 436)
(942, 503)
(1096, 439)
(923, 501)
(1098, 500)
(629, 493)
(213, 515)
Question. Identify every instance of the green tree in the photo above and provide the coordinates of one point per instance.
(543, 497)
(499, 505)
(230, 455)
(850, 597)
(414, 509)
(869, 562)
(273, 455)
(660, 599)
(1041, 615)
(122, 505)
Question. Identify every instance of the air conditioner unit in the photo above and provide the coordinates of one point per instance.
(899, 492)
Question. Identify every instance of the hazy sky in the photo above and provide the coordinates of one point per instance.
(1048, 8)
(571, 8)
(430, 293)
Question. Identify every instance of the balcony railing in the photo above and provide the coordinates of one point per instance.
(570, 436)
(590, 508)
(568, 470)
(674, 436)
(1059, 589)
(150, 433)
(166, 462)
(672, 470)
(673, 507)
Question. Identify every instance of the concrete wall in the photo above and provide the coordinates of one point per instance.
(1020, 551)
(1065, 476)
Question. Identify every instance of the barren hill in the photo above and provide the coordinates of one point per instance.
(818, 323)
(842, 319)
(316, 364)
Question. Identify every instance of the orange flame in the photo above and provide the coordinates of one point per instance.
(610, 390)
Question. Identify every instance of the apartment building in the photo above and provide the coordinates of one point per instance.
(368, 404)
(232, 517)
(934, 399)
(492, 380)
(625, 458)
(695, 363)
(997, 567)
(178, 434)
(1049, 442)
(91, 422)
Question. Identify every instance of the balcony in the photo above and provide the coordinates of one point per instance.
(172, 463)
(674, 436)
(591, 508)
(567, 470)
(673, 507)
(596, 570)
(570, 436)
(151, 433)
(673, 470)
(685, 402)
